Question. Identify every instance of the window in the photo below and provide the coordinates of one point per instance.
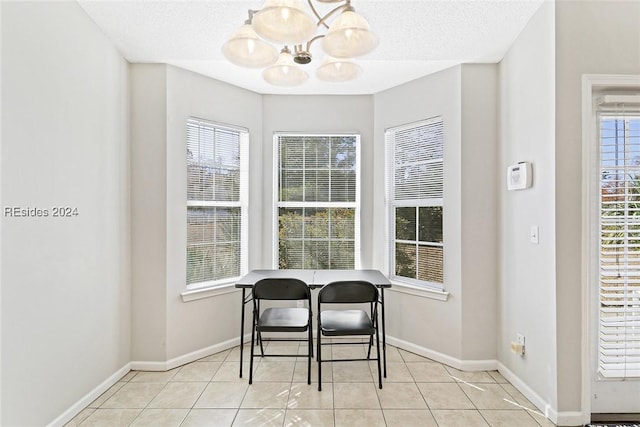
(216, 208)
(317, 201)
(415, 202)
(619, 260)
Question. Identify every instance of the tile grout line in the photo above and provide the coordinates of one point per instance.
(201, 393)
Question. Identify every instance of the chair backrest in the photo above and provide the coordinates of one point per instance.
(348, 291)
(281, 289)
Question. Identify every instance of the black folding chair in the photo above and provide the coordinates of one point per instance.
(281, 319)
(353, 322)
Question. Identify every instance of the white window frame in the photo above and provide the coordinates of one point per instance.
(606, 389)
(195, 289)
(435, 287)
(277, 204)
(621, 288)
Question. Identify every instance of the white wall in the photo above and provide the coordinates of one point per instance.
(65, 281)
(163, 97)
(597, 37)
(465, 331)
(197, 324)
(527, 291)
(479, 211)
(148, 212)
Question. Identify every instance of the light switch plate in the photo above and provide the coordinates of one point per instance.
(534, 235)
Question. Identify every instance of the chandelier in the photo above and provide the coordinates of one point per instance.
(285, 23)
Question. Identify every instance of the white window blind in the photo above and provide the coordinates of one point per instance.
(317, 201)
(415, 166)
(215, 208)
(619, 261)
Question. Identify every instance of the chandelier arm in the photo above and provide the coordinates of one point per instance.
(322, 19)
(315, 12)
(314, 39)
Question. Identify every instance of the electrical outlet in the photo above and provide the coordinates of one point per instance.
(517, 346)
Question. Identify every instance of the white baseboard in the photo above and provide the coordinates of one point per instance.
(81, 404)
(185, 358)
(77, 407)
(463, 365)
(566, 418)
(540, 403)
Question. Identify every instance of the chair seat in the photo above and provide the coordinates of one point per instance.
(290, 319)
(346, 322)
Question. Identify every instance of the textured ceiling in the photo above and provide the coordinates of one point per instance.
(416, 37)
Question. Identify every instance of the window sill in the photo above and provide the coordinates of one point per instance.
(208, 292)
(420, 291)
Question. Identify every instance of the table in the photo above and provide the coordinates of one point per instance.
(314, 279)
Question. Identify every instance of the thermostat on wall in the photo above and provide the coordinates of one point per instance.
(519, 176)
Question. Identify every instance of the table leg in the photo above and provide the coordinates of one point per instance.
(242, 302)
(384, 333)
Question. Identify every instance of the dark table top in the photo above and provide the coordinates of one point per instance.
(315, 278)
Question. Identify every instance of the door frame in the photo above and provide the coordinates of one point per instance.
(591, 83)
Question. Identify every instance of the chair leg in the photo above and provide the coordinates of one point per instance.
(311, 329)
(261, 347)
(309, 352)
(253, 334)
(378, 357)
(371, 336)
(311, 325)
(259, 334)
(319, 356)
(374, 321)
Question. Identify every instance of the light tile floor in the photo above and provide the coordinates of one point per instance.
(208, 392)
